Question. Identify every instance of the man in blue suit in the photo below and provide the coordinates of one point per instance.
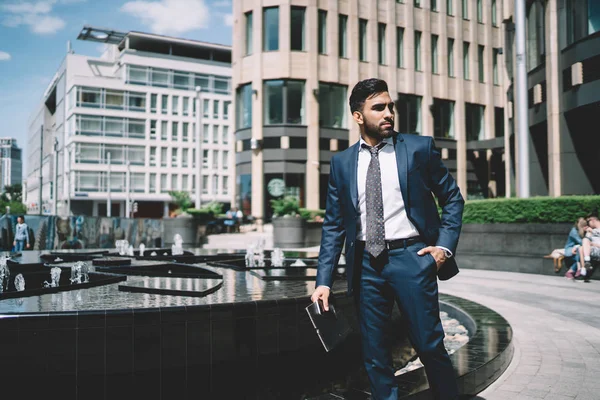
(380, 201)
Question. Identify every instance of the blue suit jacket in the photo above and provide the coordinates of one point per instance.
(421, 173)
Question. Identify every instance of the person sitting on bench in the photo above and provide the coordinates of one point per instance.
(574, 250)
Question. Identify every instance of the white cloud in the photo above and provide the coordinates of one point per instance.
(34, 14)
(228, 18)
(222, 3)
(170, 16)
(4, 56)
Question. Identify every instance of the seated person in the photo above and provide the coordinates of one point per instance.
(573, 248)
(591, 244)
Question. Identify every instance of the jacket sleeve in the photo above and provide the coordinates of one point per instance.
(445, 188)
(332, 237)
(572, 240)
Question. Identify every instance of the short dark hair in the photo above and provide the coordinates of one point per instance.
(365, 89)
(592, 215)
(22, 217)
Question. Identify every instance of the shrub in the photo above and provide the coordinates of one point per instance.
(181, 199)
(533, 210)
(312, 215)
(287, 205)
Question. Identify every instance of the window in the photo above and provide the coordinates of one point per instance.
(225, 160)
(434, 6)
(184, 133)
(244, 106)
(271, 29)
(215, 159)
(362, 39)
(225, 134)
(174, 182)
(175, 105)
(480, 11)
(400, 47)
(136, 129)
(163, 183)
(249, 36)
(186, 106)
(381, 58)
(494, 16)
(206, 108)
(535, 35)
(115, 100)
(153, 103)
(465, 9)
(137, 75)
(418, 51)
(498, 122)
(342, 35)
(417, 3)
(215, 186)
(226, 105)
(205, 133)
(152, 161)
(174, 157)
(152, 183)
(163, 130)
(297, 28)
(152, 129)
(204, 158)
(332, 106)
(221, 85)
(159, 77)
(495, 67)
(451, 58)
(184, 158)
(474, 121)
(409, 113)
(216, 109)
(175, 131)
(449, 7)
(322, 34)
(163, 104)
(181, 80)
(89, 97)
(137, 101)
(225, 185)
(466, 60)
(163, 157)
(284, 102)
(480, 60)
(215, 134)
(434, 54)
(184, 182)
(443, 119)
(204, 184)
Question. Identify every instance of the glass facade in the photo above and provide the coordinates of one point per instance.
(332, 106)
(443, 118)
(409, 113)
(92, 125)
(90, 97)
(150, 76)
(297, 28)
(244, 106)
(271, 29)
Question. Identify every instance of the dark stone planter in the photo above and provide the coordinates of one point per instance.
(289, 232)
(313, 233)
(188, 228)
(511, 247)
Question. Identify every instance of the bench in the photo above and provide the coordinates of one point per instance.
(557, 256)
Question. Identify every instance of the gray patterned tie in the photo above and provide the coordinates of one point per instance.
(374, 199)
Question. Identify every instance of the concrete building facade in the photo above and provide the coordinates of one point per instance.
(132, 125)
(11, 166)
(563, 74)
(295, 63)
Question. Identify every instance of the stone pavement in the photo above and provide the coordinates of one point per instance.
(556, 325)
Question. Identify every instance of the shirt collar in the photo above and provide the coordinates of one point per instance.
(389, 140)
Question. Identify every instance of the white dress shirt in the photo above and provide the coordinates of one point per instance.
(397, 224)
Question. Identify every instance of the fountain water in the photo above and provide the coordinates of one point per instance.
(4, 274)
(54, 278)
(79, 272)
(122, 246)
(177, 247)
(277, 258)
(142, 249)
(19, 283)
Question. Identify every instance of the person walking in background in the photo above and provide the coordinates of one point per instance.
(21, 235)
(380, 200)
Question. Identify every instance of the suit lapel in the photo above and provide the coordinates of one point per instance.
(353, 186)
(402, 163)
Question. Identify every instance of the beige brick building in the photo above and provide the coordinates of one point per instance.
(295, 63)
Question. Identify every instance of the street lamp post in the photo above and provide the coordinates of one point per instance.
(522, 104)
(199, 137)
(54, 184)
(108, 199)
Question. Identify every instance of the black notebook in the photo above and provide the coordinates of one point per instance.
(332, 326)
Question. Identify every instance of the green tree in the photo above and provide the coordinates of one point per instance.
(181, 199)
(12, 193)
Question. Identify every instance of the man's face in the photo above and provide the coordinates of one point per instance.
(593, 222)
(377, 116)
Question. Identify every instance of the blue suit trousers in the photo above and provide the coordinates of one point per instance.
(410, 280)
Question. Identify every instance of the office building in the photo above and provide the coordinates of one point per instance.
(294, 66)
(131, 125)
(11, 164)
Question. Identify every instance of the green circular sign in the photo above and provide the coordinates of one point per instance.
(276, 187)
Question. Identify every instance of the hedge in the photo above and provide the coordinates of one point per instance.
(532, 210)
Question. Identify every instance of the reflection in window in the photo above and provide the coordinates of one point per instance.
(381, 44)
(284, 102)
(249, 36)
(332, 106)
(418, 51)
(399, 47)
(342, 35)
(244, 106)
(362, 39)
(434, 54)
(443, 119)
(466, 60)
(535, 35)
(480, 60)
(474, 114)
(271, 29)
(409, 113)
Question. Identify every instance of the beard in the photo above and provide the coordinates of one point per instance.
(376, 131)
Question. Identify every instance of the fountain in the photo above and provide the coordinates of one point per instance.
(177, 247)
(142, 249)
(277, 258)
(79, 273)
(4, 274)
(249, 258)
(121, 246)
(54, 278)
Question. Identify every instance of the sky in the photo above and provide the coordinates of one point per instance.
(34, 36)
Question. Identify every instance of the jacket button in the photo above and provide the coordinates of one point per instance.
(351, 244)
